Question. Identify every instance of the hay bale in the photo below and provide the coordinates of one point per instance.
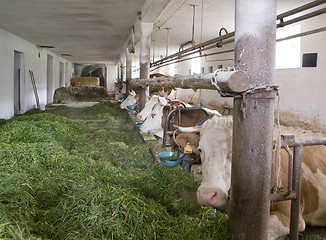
(84, 81)
(78, 94)
(62, 95)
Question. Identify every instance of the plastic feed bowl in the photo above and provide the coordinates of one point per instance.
(170, 159)
(139, 123)
(131, 107)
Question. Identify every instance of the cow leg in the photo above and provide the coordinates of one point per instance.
(279, 220)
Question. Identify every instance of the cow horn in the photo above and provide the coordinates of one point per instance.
(188, 129)
(147, 95)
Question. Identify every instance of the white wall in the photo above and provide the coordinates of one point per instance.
(302, 90)
(35, 60)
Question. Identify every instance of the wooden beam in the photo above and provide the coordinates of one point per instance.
(228, 81)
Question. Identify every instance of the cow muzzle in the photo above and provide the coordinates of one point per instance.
(211, 197)
(139, 117)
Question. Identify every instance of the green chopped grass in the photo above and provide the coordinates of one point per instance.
(91, 178)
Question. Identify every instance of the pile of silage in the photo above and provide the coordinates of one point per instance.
(91, 179)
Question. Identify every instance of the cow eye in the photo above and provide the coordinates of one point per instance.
(199, 150)
(153, 115)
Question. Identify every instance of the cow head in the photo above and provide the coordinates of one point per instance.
(132, 99)
(215, 147)
(143, 114)
(152, 123)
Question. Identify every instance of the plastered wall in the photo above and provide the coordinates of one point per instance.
(34, 59)
(303, 90)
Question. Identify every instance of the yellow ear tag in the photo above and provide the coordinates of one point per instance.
(187, 149)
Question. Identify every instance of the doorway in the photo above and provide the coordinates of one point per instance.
(49, 81)
(19, 82)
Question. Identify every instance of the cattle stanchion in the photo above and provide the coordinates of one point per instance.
(293, 192)
(175, 115)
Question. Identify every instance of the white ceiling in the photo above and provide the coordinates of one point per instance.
(89, 30)
(98, 30)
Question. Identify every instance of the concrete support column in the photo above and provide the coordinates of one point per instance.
(128, 70)
(122, 72)
(145, 42)
(255, 29)
(111, 76)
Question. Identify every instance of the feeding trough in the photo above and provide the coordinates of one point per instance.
(139, 123)
(170, 159)
(131, 107)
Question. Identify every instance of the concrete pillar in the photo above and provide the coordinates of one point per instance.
(255, 29)
(145, 42)
(122, 72)
(128, 70)
(111, 76)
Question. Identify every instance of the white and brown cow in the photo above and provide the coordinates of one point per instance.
(146, 112)
(152, 123)
(216, 149)
(132, 99)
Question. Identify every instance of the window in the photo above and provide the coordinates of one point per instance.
(309, 60)
(195, 64)
(288, 51)
(210, 69)
(202, 69)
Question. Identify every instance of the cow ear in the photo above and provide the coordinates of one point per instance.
(162, 101)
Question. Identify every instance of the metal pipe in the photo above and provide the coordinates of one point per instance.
(308, 142)
(198, 46)
(301, 8)
(253, 131)
(186, 59)
(290, 169)
(318, 30)
(283, 196)
(303, 17)
(198, 56)
(193, 24)
(295, 203)
(153, 50)
(167, 41)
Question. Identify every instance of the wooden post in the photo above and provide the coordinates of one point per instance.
(145, 41)
(253, 120)
(227, 81)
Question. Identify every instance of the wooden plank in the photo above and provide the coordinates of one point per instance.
(34, 89)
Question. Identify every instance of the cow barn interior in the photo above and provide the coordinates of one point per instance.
(75, 165)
